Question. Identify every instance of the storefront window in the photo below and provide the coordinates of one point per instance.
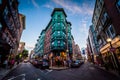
(0, 26)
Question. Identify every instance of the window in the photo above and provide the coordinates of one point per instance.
(58, 16)
(100, 28)
(0, 1)
(52, 43)
(58, 32)
(110, 32)
(104, 18)
(101, 1)
(118, 5)
(100, 41)
(5, 11)
(58, 42)
(58, 24)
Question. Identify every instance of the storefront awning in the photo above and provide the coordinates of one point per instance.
(115, 43)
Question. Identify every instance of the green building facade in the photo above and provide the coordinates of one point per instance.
(60, 38)
(39, 47)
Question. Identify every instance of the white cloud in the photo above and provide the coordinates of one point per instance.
(83, 33)
(29, 47)
(83, 27)
(74, 8)
(35, 4)
(48, 6)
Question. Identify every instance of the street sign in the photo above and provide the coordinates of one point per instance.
(112, 49)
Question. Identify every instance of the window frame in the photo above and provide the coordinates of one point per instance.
(0, 26)
(109, 33)
(118, 5)
(0, 1)
(104, 18)
(111, 27)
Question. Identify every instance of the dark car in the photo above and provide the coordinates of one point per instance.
(37, 63)
(25, 61)
(75, 64)
(45, 64)
(80, 61)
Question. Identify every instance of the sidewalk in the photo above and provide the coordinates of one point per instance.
(4, 72)
(110, 71)
(58, 68)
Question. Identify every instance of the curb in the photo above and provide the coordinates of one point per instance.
(107, 71)
(9, 71)
(59, 68)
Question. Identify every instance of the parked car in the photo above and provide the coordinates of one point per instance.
(75, 64)
(45, 64)
(25, 61)
(80, 61)
(42, 64)
(37, 63)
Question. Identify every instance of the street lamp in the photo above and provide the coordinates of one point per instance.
(67, 53)
(115, 60)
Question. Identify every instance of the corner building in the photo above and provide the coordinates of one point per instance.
(61, 38)
(57, 37)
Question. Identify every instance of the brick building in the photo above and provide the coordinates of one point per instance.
(10, 28)
(106, 21)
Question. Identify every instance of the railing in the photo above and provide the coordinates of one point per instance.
(59, 38)
(58, 47)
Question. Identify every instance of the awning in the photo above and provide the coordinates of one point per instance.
(115, 43)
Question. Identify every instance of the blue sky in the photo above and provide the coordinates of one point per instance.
(38, 15)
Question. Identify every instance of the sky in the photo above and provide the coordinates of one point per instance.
(38, 15)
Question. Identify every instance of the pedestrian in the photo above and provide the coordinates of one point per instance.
(65, 63)
(58, 62)
(12, 62)
(5, 64)
(69, 63)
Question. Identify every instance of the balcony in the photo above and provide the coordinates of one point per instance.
(59, 28)
(58, 48)
(58, 38)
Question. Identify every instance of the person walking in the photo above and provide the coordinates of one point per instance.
(65, 63)
(12, 63)
(5, 64)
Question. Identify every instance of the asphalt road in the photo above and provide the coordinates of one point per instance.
(26, 71)
(87, 71)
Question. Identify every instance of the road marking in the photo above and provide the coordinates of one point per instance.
(23, 78)
(18, 76)
(41, 71)
(48, 71)
(38, 79)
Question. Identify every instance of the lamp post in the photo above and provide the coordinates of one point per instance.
(115, 60)
(67, 51)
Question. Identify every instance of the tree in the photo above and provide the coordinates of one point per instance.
(25, 53)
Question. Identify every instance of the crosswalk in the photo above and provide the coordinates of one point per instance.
(46, 71)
